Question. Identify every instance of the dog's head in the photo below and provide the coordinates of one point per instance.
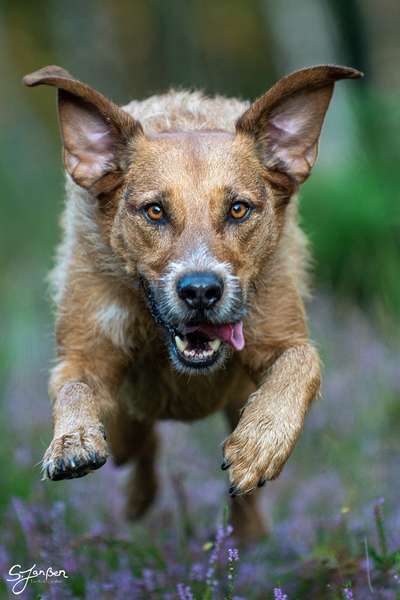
(195, 214)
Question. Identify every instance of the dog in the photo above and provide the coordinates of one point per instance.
(181, 278)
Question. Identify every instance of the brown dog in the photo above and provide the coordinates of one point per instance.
(182, 255)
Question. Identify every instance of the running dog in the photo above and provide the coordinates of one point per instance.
(182, 275)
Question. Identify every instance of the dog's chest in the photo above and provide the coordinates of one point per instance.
(158, 392)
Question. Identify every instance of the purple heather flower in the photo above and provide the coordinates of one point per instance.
(279, 595)
(348, 593)
(148, 580)
(124, 582)
(219, 538)
(28, 520)
(184, 592)
(233, 554)
(211, 582)
(197, 572)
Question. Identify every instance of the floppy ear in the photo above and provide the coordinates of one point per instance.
(95, 131)
(286, 122)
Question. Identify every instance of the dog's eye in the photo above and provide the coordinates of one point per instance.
(154, 212)
(239, 211)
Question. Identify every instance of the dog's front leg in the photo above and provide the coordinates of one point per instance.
(83, 388)
(272, 419)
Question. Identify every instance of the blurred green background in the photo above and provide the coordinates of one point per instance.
(350, 207)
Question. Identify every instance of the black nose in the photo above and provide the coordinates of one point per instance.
(200, 290)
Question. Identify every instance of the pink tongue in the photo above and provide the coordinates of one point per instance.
(232, 334)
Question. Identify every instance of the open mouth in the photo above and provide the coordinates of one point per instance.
(196, 348)
(201, 346)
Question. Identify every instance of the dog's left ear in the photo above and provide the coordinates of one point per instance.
(95, 131)
(286, 122)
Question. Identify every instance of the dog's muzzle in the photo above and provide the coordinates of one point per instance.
(201, 314)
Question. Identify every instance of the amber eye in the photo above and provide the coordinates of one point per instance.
(239, 211)
(154, 212)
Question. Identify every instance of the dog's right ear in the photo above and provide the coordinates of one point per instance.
(95, 131)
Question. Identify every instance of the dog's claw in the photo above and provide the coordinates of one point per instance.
(233, 491)
(75, 454)
(262, 482)
(225, 465)
(97, 461)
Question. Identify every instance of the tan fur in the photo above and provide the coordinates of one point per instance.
(194, 150)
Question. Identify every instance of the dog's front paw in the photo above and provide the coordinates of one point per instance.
(256, 452)
(75, 454)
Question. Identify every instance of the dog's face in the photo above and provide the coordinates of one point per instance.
(196, 214)
(196, 219)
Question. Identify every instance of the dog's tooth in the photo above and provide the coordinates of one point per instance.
(215, 344)
(180, 344)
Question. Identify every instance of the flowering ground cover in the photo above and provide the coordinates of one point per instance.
(334, 514)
